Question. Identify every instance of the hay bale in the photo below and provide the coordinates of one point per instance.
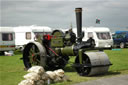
(37, 76)
(45, 76)
(32, 76)
(47, 82)
(51, 74)
(37, 69)
(40, 82)
(26, 82)
(59, 72)
(57, 79)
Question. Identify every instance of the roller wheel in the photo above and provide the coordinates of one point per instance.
(34, 54)
(93, 63)
(81, 70)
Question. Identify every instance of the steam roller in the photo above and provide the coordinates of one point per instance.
(53, 51)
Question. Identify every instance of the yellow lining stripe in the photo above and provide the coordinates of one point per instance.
(6, 46)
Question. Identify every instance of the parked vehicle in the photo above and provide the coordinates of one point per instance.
(23, 35)
(7, 39)
(101, 35)
(12, 38)
(41, 30)
(120, 39)
(26, 34)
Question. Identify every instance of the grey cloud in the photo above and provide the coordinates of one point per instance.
(61, 13)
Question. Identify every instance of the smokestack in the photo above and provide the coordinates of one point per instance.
(79, 24)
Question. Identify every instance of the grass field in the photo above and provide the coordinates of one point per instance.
(12, 68)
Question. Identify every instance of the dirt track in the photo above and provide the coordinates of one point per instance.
(116, 80)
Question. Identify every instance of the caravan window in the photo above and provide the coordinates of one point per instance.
(28, 35)
(90, 35)
(104, 35)
(7, 36)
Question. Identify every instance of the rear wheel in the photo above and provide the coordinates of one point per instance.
(34, 54)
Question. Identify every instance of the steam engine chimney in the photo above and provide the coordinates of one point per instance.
(79, 24)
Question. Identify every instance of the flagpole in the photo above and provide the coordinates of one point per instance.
(95, 21)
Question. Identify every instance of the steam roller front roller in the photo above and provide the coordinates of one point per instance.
(93, 63)
(34, 54)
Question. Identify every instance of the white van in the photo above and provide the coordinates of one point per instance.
(101, 35)
(7, 39)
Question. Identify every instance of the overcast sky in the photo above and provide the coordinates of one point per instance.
(60, 13)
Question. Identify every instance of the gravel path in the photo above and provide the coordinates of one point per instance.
(116, 80)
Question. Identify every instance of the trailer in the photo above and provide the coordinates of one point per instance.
(7, 39)
(41, 30)
(26, 34)
(23, 35)
(101, 35)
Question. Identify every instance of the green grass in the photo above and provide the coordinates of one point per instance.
(12, 68)
(119, 59)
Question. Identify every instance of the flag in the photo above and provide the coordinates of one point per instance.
(97, 21)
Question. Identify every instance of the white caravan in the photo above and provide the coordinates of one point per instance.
(23, 35)
(7, 39)
(101, 35)
(41, 30)
(26, 34)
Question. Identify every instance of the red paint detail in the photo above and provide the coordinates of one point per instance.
(55, 37)
(52, 51)
(47, 37)
(32, 55)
